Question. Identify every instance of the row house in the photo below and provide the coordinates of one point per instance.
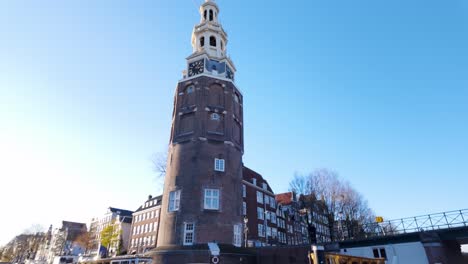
(293, 221)
(268, 223)
(121, 220)
(317, 217)
(144, 232)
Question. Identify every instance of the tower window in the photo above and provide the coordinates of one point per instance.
(174, 201)
(204, 15)
(215, 117)
(211, 200)
(212, 41)
(211, 15)
(189, 229)
(219, 165)
(222, 45)
(190, 89)
(202, 41)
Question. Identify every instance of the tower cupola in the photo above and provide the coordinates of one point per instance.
(209, 42)
(209, 12)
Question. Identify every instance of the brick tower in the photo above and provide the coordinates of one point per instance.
(202, 200)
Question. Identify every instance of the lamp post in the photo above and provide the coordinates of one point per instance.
(266, 225)
(246, 230)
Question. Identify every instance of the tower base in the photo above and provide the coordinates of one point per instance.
(200, 254)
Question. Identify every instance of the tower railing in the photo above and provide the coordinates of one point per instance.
(350, 230)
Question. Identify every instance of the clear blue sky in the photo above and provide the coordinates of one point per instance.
(376, 90)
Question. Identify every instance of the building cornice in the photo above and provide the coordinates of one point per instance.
(258, 188)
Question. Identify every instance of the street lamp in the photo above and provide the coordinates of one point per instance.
(266, 225)
(246, 230)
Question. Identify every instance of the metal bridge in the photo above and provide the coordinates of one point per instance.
(446, 221)
(440, 234)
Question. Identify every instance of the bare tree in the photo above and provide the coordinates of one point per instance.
(344, 205)
(159, 161)
(34, 229)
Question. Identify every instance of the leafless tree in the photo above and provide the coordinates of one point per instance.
(159, 161)
(343, 203)
(34, 229)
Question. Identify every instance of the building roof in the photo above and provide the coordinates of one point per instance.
(121, 212)
(285, 198)
(74, 225)
(248, 174)
(150, 203)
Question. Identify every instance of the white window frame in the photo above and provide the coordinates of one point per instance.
(219, 164)
(268, 231)
(259, 197)
(237, 235)
(187, 232)
(273, 218)
(260, 213)
(211, 199)
(261, 230)
(174, 201)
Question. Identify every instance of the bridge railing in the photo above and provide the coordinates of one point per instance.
(349, 230)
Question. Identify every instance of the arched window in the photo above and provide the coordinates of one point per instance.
(204, 15)
(212, 41)
(211, 15)
(222, 45)
(202, 41)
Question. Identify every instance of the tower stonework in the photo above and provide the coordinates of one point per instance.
(202, 198)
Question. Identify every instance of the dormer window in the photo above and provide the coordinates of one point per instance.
(212, 41)
(202, 41)
(211, 15)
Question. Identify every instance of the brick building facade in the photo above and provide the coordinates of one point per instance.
(145, 225)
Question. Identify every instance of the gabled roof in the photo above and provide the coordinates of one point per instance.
(73, 225)
(285, 198)
(248, 174)
(157, 200)
(121, 212)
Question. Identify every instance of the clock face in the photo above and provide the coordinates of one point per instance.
(196, 67)
(229, 73)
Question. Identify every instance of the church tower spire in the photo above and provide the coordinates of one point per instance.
(209, 41)
(202, 197)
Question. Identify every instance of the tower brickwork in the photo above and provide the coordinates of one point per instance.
(202, 200)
